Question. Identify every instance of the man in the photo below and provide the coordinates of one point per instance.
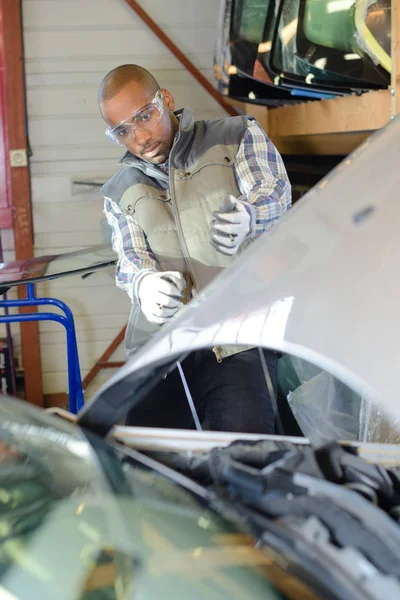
(189, 197)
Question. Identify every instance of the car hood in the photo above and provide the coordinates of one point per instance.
(323, 284)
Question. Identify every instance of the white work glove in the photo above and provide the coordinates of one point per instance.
(230, 226)
(160, 295)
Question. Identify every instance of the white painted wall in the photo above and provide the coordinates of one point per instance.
(69, 46)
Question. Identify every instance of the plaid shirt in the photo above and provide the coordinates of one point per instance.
(265, 192)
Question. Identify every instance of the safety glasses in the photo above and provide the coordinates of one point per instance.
(144, 120)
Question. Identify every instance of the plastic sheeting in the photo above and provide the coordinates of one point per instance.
(327, 409)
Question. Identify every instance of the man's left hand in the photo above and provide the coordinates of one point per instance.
(229, 229)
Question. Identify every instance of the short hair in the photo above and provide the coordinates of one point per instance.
(119, 77)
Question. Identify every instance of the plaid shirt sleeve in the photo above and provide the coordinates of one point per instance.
(129, 242)
(262, 179)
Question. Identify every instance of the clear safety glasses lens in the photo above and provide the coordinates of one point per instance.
(144, 120)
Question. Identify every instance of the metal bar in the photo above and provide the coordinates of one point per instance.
(31, 301)
(178, 440)
(90, 183)
(74, 402)
(189, 398)
(30, 288)
(110, 365)
(165, 39)
(104, 358)
(19, 181)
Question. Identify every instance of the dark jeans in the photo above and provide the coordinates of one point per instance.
(230, 396)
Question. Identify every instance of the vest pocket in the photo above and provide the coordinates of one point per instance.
(225, 163)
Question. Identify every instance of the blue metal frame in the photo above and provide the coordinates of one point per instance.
(74, 374)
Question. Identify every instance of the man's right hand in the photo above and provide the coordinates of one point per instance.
(160, 295)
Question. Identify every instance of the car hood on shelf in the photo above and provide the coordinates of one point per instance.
(322, 284)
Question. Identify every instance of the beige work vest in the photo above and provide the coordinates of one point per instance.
(177, 220)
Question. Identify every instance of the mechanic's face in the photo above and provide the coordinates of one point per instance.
(153, 145)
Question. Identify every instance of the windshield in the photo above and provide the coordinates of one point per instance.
(317, 43)
(57, 265)
(248, 19)
(84, 524)
(378, 21)
(56, 511)
(247, 28)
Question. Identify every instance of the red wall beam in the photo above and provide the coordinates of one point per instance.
(102, 362)
(20, 189)
(180, 56)
(6, 218)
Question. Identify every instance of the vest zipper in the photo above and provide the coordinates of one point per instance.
(216, 349)
(217, 352)
(179, 229)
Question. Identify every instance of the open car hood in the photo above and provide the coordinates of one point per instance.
(323, 285)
